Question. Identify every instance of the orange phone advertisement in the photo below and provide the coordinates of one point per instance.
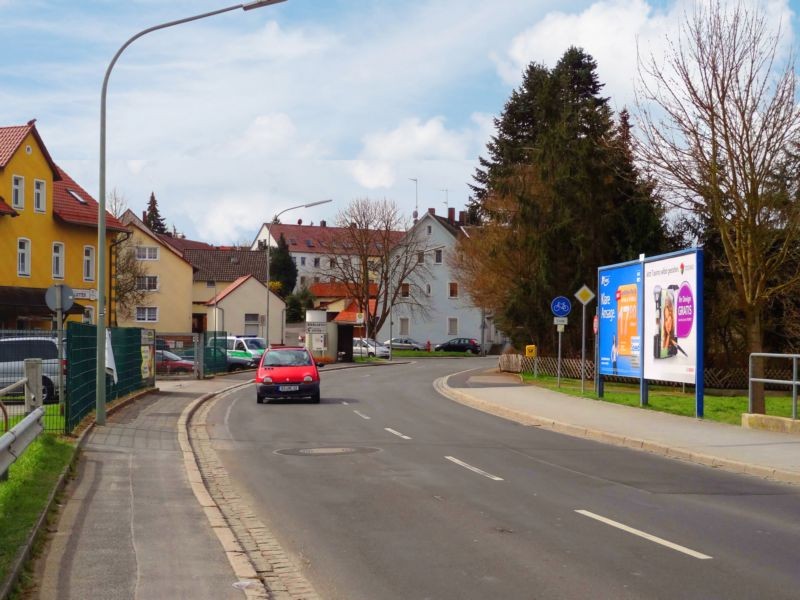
(627, 305)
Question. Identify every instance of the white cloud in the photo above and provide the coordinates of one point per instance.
(373, 174)
(414, 139)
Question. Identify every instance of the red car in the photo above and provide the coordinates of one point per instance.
(287, 372)
(167, 362)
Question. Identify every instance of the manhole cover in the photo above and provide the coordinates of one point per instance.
(324, 451)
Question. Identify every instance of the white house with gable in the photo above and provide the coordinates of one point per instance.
(450, 312)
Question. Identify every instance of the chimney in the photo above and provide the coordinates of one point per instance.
(144, 216)
(323, 223)
(432, 211)
(451, 215)
(462, 217)
(299, 221)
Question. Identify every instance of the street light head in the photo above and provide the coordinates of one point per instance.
(259, 4)
(317, 203)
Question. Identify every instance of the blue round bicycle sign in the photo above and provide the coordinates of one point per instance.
(561, 306)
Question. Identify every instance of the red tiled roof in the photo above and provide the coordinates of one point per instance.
(67, 207)
(348, 315)
(12, 137)
(5, 209)
(335, 289)
(181, 244)
(318, 239)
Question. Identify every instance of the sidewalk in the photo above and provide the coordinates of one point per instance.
(760, 453)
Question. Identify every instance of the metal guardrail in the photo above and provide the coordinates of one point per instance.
(794, 382)
(14, 443)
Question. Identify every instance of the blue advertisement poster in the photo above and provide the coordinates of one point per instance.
(619, 330)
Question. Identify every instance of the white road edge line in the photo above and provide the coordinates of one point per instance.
(647, 536)
(362, 415)
(346, 403)
(397, 433)
(474, 469)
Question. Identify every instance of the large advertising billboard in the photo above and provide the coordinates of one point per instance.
(670, 328)
(619, 336)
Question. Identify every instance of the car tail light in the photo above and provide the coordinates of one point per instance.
(266, 379)
(308, 378)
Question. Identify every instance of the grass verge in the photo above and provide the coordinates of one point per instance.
(725, 409)
(25, 494)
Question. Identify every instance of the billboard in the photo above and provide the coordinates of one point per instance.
(619, 335)
(672, 295)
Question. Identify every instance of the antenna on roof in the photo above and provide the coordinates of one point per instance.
(416, 197)
(446, 197)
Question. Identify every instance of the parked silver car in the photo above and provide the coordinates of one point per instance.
(368, 347)
(14, 351)
(403, 343)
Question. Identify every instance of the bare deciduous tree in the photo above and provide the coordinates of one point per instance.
(720, 129)
(128, 271)
(373, 255)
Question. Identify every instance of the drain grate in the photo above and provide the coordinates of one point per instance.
(325, 451)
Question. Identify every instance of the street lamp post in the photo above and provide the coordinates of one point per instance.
(100, 380)
(269, 245)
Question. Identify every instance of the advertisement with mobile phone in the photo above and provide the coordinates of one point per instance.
(618, 333)
(670, 347)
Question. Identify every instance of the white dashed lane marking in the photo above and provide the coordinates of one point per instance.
(362, 415)
(473, 469)
(397, 433)
(647, 536)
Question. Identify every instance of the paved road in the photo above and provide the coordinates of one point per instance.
(441, 501)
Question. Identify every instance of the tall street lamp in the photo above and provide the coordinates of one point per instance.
(100, 381)
(269, 245)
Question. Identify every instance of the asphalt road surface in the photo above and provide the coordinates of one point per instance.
(427, 498)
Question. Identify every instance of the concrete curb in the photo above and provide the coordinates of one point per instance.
(236, 555)
(25, 551)
(614, 439)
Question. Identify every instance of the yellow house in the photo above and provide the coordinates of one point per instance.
(48, 233)
(166, 279)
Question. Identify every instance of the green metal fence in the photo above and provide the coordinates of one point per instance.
(215, 352)
(133, 360)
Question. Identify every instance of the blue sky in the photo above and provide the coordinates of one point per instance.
(234, 118)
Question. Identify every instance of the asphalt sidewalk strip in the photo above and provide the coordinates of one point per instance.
(264, 569)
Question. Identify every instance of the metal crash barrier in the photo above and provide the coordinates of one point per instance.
(794, 382)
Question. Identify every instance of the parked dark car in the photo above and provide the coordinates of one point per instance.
(468, 345)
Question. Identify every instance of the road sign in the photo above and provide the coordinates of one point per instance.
(561, 306)
(560, 320)
(585, 295)
(59, 289)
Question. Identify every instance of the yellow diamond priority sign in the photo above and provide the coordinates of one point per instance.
(585, 295)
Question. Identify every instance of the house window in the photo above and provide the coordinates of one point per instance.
(420, 258)
(429, 229)
(428, 289)
(316, 261)
(302, 280)
(58, 260)
(211, 284)
(148, 283)
(147, 314)
(88, 263)
(437, 257)
(88, 315)
(39, 197)
(146, 252)
(316, 279)
(294, 260)
(251, 323)
(331, 263)
(23, 257)
(18, 191)
(452, 326)
(452, 289)
(404, 329)
(405, 290)
(302, 261)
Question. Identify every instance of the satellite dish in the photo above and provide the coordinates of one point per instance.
(52, 294)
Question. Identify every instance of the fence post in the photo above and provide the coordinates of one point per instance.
(33, 388)
(200, 355)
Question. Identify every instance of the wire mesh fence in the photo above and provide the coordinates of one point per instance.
(133, 359)
(16, 345)
(176, 354)
(215, 353)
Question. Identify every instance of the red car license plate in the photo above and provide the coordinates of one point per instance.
(289, 388)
